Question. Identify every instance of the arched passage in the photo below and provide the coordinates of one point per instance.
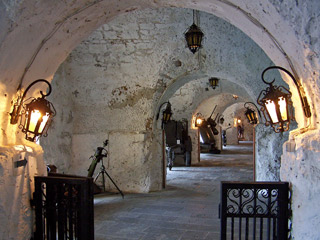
(108, 93)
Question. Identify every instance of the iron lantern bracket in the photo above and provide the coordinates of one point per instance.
(15, 114)
(303, 98)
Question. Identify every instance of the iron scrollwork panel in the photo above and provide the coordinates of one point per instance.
(262, 202)
(249, 202)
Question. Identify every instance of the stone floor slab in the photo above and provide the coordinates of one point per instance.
(186, 209)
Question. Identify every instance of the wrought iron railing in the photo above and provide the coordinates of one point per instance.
(258, 210)
(64, 208)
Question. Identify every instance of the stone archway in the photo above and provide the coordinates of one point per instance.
(107, 93)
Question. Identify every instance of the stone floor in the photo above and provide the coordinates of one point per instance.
(186, 209)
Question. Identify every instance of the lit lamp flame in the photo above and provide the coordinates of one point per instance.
(198, 122)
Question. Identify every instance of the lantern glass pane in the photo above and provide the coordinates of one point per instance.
(271, 108)
(34, 117)
(164, 117)
(44, 122)
(283, 108)
(249, 117)
(252, 116)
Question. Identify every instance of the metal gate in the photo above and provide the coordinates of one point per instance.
(257, 210)
(64, 208)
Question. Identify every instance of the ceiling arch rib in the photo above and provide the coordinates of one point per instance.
(98, 12)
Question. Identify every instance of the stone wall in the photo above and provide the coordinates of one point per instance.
(268, 153)
(16, 187)
(300, 166)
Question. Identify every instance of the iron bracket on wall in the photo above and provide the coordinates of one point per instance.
(20, 163)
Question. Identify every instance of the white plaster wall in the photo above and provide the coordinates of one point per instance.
(16, 187)
(300, 166)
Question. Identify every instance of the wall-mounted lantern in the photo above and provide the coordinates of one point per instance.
(166, 114)
(213, 82)
(194, 35)
(251, 114)
(276, 103)
(221, 119)
(35, 116)
(199, 120)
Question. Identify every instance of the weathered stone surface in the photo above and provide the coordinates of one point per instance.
(300, 166)
(16, 187)
(268, 153)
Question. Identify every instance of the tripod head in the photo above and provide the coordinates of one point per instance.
(99, 152)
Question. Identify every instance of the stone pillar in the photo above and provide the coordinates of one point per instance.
(300, 167)
(268, 151)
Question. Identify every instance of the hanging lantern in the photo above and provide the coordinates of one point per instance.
(194, 36)
(213, 82)
(276, 103)
(166, 114)
(36, 115)
(251, 114)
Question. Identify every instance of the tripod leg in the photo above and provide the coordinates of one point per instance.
(103, 183)
(95, 179)
(113, 183)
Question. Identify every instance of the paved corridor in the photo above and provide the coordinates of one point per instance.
(186, 209)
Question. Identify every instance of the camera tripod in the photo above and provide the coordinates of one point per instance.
(104, 172)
